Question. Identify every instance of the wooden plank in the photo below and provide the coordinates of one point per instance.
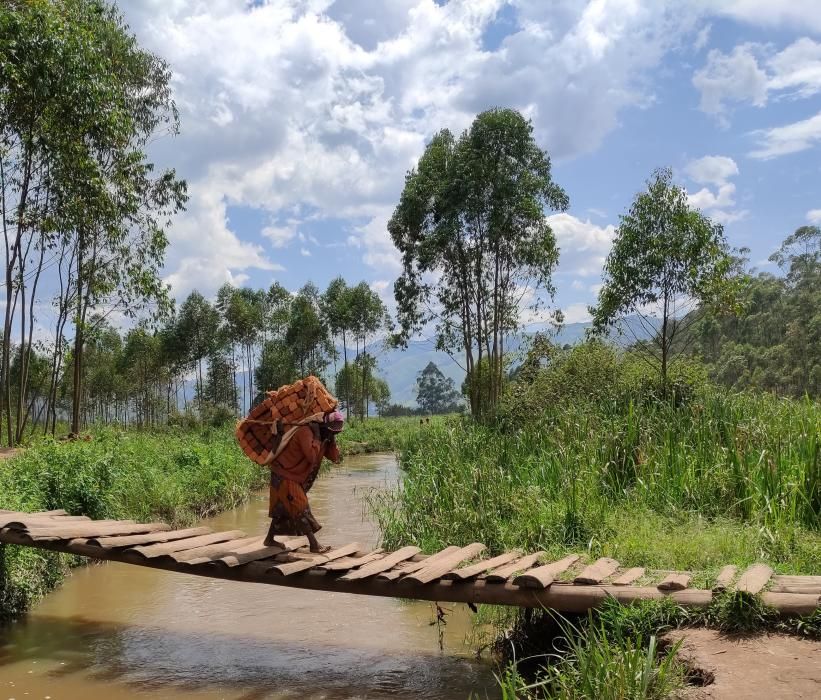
(376, 567)
(352, 562)
(677, 581)
(209, 552)
(148, 538)
(242, 558)
(543, 576)
(303, 565)
(473, 570)
(754, 579)
(414, 564)
(790, 580)
(725, 578)
(21, 519)
(158, 550)
(434, 570)
(503, 573)
(72, 531)
(808, 589)
(629, 576)
(258, 551)
(596, 572)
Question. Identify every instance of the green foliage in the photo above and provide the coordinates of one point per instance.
(668, 257)
(178, 477)
(597, 661)
(774, 342)
(307, 335)
(736, 612)
(723, 479)
(593, 373)
(79, 103)
(471, 217)
(436, 393)
(357, 381)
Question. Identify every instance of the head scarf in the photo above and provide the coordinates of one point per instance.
(335, 422)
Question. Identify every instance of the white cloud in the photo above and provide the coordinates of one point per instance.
(702, 38)
(576, 313)
(734, 77)
(804, 15)
(754, 72)
(305, 253)
(583, 246)
(790, 138)
(797, 68)
(717, 198)
(280, 236)
(204, 253)
(814, 216)
(317, 108)
(373, 237)
(711, 170)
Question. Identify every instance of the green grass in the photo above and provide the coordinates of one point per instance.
(723, 479)
(729, 479)
(177, 477)
(381, 434)
(593, 659)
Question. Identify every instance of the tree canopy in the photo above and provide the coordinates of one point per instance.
(471, 229)
(436, 393)
(667, 259)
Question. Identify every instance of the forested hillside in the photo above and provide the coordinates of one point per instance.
(773, 341)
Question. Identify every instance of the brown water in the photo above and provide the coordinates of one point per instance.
(117, 631)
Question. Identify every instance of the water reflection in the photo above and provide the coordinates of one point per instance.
(114, 630)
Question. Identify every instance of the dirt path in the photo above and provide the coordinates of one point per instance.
(8, 452)
(763, 667)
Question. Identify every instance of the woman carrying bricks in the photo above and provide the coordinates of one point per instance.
(294, 471)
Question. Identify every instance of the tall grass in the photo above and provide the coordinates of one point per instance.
(595, 659)
(178, 477)
(723, 479)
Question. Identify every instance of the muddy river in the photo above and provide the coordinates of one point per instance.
(116, 631)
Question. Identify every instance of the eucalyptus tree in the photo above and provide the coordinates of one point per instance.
(667, 260)
(471, 229)
(243, 312)
(307, 335)
(197, 329)
(335, 308)
(79, 102)
(367, 317)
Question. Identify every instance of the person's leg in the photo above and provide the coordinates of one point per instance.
(316, 548)
(269, 540)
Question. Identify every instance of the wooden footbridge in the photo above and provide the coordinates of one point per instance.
(456, 574)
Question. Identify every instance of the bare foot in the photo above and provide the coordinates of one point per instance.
(269, 542)
(320, 549)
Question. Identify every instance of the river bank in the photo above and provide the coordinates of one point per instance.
(112, 631)
(177, 476)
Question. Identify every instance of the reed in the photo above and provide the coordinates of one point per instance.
(726, 478)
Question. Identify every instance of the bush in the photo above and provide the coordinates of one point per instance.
(174, 476)
(595, 373)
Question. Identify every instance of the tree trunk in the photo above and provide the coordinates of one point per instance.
(78, 345)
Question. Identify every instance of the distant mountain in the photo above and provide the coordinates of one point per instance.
(400, 368)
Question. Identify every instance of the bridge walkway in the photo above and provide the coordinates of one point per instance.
(456, 574)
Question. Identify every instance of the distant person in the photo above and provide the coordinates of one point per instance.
(293, 473)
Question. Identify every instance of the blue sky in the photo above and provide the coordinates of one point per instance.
(300, 118)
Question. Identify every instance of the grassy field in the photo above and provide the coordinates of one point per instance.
(726, 479)
(718, 479)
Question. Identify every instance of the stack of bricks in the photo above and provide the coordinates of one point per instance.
(290, 404)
